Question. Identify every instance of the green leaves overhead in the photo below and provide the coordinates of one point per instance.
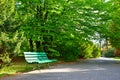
(115, 24)
(6, 9)
(52, 22)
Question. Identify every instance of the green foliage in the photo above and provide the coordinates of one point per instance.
(69, 53)
(9, 46)
(109, 53)
(96, 52)
(60, 27)
(39, 29)
(89, 50)
(69, 50)
(53, 53)
(6, 10)
(72, 50)
(10, 37)
(24, 46)
(66, 22)
(115, 24)
(5, 59)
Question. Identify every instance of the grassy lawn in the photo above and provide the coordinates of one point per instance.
(19, 67)
(16, 68)
(117, 58)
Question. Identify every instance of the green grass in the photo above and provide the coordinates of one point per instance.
(16, 68)
(20, 67)
(117, 58)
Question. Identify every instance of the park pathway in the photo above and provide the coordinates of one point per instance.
(93, 69)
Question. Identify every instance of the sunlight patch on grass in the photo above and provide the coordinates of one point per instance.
(117, 58)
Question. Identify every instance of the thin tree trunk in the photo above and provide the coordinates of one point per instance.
(117, 52)
(38, 45)
(106, 44)
(31, 44)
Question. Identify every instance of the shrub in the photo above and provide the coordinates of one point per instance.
(70, 54)
(53, 53)
(109, 53)
(89, 50)
(9, 46)
(69, 51)
(96, 52)
(5, 56)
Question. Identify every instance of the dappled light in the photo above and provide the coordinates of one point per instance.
(64, 70)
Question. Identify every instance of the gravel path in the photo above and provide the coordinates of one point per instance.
(93, 69)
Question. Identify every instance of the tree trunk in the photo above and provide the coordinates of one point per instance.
(106, 44)
(117, 52)
(31, 44)
(38, 45)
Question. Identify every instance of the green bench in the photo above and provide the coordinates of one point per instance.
(37, 57)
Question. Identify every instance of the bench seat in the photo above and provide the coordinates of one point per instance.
(38, 57)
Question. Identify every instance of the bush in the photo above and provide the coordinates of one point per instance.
(53, 53)
(96, 52)
(69, 51)
(89, 50)
(5, 56)
(9, 46)
(109, 53)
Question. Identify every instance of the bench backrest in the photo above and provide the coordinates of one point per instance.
(31, 57)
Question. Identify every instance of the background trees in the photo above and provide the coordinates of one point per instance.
(115, 27)
(61, 28)
(49, 26)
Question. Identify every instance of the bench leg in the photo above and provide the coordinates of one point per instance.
(37, 66)
(26, 66)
